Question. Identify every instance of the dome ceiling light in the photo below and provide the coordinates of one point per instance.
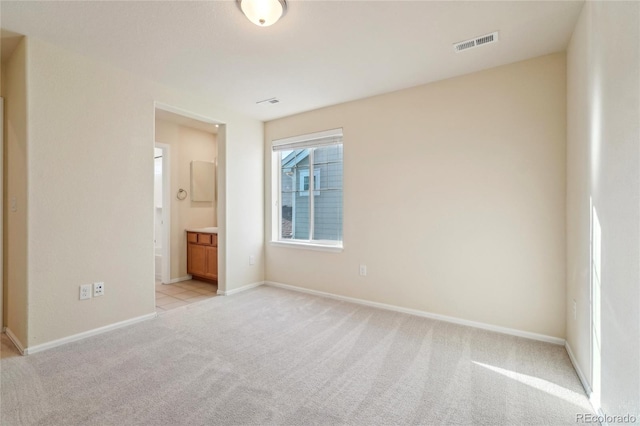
(263, 12)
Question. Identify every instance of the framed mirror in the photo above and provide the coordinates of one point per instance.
(203, 181)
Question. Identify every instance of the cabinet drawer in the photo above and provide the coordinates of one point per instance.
(204, 239)
(192, 237)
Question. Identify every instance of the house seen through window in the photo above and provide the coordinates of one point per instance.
(310, 164)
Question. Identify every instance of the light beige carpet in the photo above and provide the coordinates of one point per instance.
(271, 356)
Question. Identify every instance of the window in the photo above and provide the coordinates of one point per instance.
(309, 164)
(304, 182)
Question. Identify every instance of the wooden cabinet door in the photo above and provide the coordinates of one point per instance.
(197, 263)
(211, 267)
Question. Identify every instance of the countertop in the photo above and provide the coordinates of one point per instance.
(209, 230)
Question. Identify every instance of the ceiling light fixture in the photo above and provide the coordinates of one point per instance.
(263, 12)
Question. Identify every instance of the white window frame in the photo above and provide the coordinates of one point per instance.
(312, 140)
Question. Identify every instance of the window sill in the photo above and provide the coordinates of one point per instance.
(307, 246)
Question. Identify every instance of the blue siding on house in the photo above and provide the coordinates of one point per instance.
(327, 194)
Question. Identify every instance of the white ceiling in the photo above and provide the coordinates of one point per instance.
(321, 53)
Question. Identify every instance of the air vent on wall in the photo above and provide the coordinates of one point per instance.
(475, 42)
(269, 101)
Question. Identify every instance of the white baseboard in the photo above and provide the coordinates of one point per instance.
(585, 384)
(179, 279)
(85, 334)
(581, 376)
(424, 314)
(239, 289)
(16, 342)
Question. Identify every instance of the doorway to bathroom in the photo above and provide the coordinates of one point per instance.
(185, 205)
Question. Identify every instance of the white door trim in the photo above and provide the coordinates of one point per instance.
(595, 307)
(1, 213)
(166, 212)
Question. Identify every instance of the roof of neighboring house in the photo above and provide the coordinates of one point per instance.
(292, 159)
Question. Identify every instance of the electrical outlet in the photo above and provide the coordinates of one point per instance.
(98, 289)
(363, 270)
(575, 310)
(252, 260)
(85, 291)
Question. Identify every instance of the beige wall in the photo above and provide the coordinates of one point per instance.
(454, 196)
(244, 219)
(15, 177)
(90, 186)
(186, 144)
(603, 150)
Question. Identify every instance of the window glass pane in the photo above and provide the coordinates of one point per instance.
(327, 209)
(294, 198)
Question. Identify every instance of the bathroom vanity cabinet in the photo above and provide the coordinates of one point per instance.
(202, 255)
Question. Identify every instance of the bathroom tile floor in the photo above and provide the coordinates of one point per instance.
(170, 296)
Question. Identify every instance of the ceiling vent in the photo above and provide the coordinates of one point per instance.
(475, 42)
(268, 101)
